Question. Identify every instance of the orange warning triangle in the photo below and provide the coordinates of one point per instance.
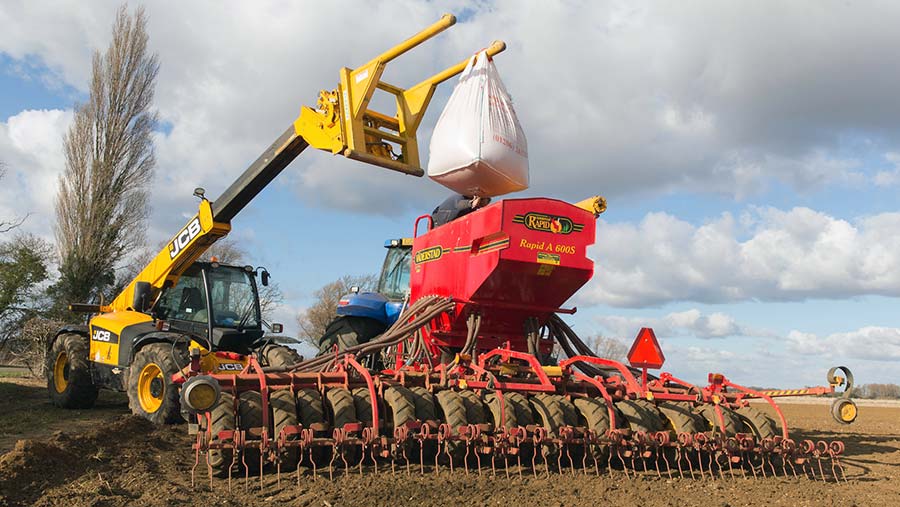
(645, 352)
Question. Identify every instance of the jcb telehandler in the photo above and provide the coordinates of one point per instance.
(178, 312)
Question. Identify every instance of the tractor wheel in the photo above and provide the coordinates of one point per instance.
(474, 407)
(68, 372)
(310, 410)
(424, 402)
(341, 407)
(278, 356)
(508, 413)
(733, 424)
(151, 392)
(570, 413)
(345, 332)
(221, 419)
(402, 407)
(641, 415)
(680, 418)
(595, 416)
(453, 412)
(284, 413)
(524, 414)
(363, 403)
(549, 412)
(757, 423)
(250, 416)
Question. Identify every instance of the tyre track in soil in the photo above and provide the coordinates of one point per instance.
(122, 460)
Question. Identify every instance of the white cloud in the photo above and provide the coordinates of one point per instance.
(689, 323)
(891, 177)
(869, 343)
(31, 150)
(769, 254)
(636, 97)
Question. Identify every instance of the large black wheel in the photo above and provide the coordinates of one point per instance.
(641, 415)
(453, 413)
(757, 423)
(68, 372)
(310, 411)
(402, 407)
(549, 412)
(733, 424)
(345, 332)
(250, 416)
(341, 407)
(507, 419)
(474, 407)
(151, 392)
(278, 356)
(595, 417)
(679, 417)
(222, 418)
(284, 413)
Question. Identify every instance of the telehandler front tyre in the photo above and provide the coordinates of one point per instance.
(151, 392)
(68, 372)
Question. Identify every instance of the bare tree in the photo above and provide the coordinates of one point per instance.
(9, 224)
(316, 318)
(607, 347)
(102, 207)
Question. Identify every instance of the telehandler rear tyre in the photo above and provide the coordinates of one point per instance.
(151, 392)
(68, 374)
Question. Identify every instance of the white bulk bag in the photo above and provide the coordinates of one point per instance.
(478, 147)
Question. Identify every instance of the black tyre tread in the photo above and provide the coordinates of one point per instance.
(222, 418)
(595, 414)
(424, 402)
(524, 414)
(284, 413)
(363, 404)
(641, 415)
(402, 407)
(80, 391)
(509, 414)
(279, 356)
(475, 411)
(310, 409)
(250, 410)
(549, 412)
(570, 413)
(160, 354)
(452, 408)
(250, 415)
(680, 416)
(341, 407)
(453, 411)
(757, 423)
(733, 424)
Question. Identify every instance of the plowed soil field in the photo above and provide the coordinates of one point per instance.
(105, 457)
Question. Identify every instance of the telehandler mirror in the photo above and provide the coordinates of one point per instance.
(141, 296)
(277, 328)
(264, 276)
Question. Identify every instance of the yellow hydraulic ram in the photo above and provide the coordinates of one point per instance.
(341, 123)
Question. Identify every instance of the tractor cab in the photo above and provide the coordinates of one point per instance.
(217, 302)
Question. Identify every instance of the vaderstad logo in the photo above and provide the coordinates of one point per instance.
(184, 237)
(429, 254)
(548, 223)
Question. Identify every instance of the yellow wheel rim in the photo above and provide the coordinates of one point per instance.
(151, 388)
(61, 372)
(848, 412)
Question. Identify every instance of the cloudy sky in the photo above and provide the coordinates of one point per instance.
(750, 153)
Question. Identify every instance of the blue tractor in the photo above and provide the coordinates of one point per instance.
(362, 316)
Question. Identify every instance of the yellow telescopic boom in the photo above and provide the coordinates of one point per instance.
(341, 123)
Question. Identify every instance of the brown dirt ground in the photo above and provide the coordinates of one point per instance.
(105, 457)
